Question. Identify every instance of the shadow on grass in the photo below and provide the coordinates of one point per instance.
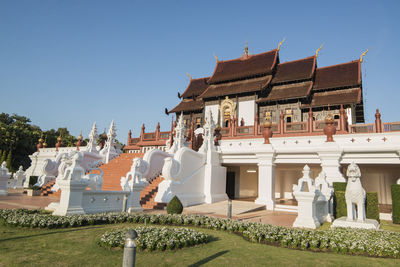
(209, 258)
(61, 230)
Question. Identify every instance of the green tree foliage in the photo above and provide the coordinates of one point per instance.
(2, 156)
(9, 158)
(174, 206)
(19, 137)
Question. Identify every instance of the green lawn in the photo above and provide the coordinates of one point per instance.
(78, 247)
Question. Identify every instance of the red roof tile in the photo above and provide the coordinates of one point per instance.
(288, 91)
(188, 105)
(337, 97)
(245, 67)
(242, 86)
(301, 69)
(196, 87)
(342, 75)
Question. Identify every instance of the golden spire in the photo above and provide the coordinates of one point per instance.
(280, 43)
(246, 49)
(216, 58)
(190, 76)
(319, 49)
(362, 55)
(80, 136)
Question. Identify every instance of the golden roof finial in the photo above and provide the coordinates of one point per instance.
(216, 58)
(246, 49)
(319, 49)
(280, 43)
(190, 76)
(362, 55)
(80, 137)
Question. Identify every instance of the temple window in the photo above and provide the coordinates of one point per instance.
(336, 117)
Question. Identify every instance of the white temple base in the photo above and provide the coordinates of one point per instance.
(368, 224)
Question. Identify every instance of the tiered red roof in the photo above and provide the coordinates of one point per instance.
(302, 69)
(342, 75)
(245, 67)
(237, 87)
(196, 87)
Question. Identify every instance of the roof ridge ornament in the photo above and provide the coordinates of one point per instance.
(319, 49)
(280, 43)
(362, 55)
(246, 50)
(190, 76)
(216, 58)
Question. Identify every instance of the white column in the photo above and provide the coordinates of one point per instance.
(330, 163)
(71, 197)
(266, 184)
(134, 198)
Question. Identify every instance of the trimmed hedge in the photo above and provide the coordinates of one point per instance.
(395, 188)
(33, 180)
(174, 206)
(371, 205)
(339, 186)
(338, 210)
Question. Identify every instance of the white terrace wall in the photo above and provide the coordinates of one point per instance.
(104, 201)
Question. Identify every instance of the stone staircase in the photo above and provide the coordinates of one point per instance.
(149, 193)
(116, 168)
(46, 189)
(112, 173)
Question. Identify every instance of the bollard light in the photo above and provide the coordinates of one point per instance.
(130, 249)
(229, 208)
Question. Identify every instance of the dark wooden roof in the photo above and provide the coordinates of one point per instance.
(288, 91)
(302, 69)
(342, 75)
(196, 87)
(337, 97)
(188, 105)
(242, 86)
(244, 67)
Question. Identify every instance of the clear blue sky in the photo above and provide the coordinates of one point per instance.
(69, 63)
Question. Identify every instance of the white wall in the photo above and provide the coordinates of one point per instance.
(214, 111)
(248, 182)
(246, 111)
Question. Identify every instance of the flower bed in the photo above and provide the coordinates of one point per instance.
(156, 238)
(350, 241)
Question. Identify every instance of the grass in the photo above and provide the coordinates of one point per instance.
(78, 247)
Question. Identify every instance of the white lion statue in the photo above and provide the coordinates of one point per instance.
(355, 194)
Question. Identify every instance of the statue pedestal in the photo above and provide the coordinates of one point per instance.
(367, 224)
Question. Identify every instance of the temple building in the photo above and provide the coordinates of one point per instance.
(259, 87)
(272, 118)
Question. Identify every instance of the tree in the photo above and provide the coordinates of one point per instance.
(9, 161)
(2, 156)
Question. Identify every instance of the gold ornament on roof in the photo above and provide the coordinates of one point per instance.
(216, 58)
(246, 49)
(319, 49)
(80, 136)
(362, 55)
(280, 43)
(190, 76)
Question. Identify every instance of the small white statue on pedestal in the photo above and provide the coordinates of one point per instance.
(4, 177)
(355, 201)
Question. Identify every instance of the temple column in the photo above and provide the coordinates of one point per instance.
(330, 163)
(266, 181)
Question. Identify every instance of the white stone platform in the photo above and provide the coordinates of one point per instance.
(368, 224)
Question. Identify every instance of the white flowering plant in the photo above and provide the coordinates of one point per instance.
(377, 243)
(156, 238)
